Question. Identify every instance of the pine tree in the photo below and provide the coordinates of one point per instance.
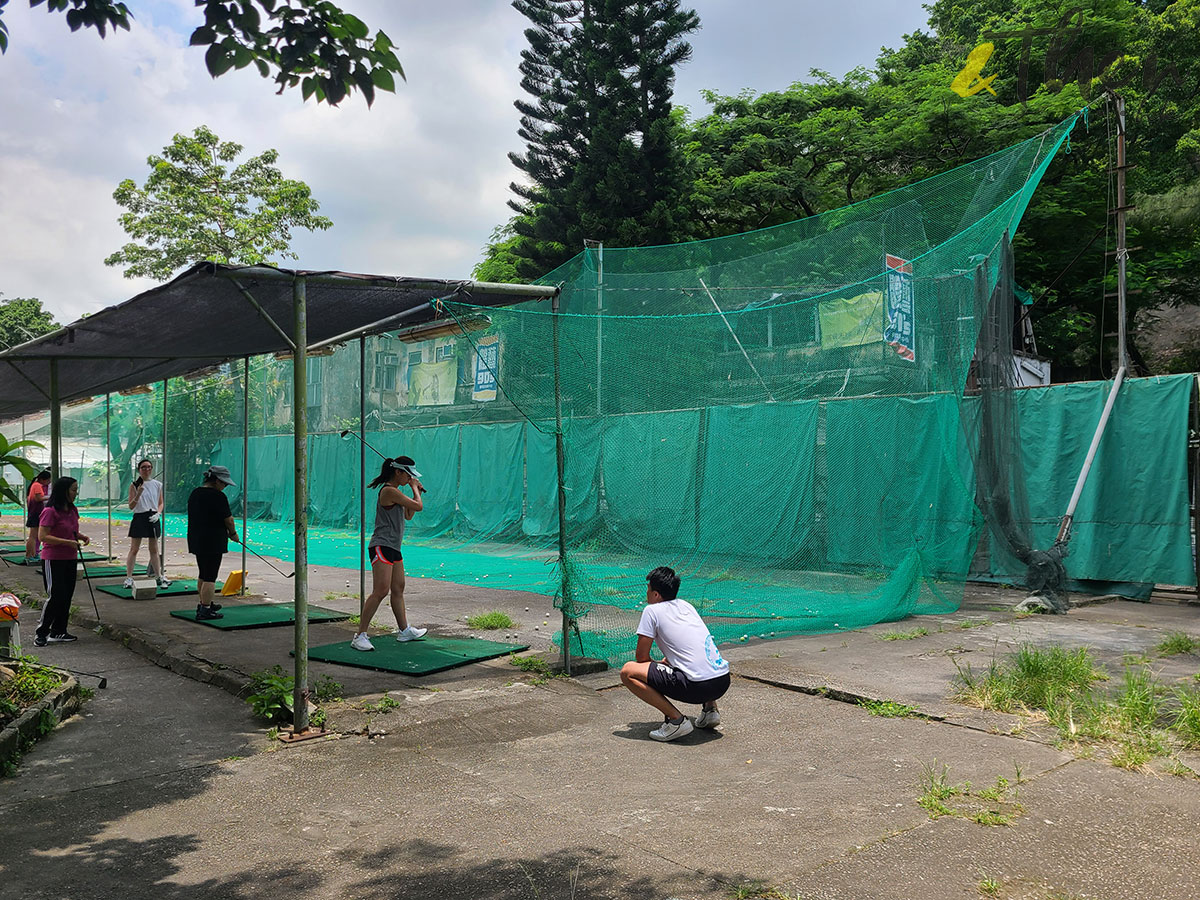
(601, 158)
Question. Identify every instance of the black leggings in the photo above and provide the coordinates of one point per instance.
(60, 583)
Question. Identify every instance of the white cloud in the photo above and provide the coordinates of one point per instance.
(414, 185)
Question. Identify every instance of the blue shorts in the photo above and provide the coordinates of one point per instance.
(674, 684)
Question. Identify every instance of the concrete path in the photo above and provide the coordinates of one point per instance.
(482, 784)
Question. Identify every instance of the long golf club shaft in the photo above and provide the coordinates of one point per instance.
(95, 606)
(264, 559)
(367, 444)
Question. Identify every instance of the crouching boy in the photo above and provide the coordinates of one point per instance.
(692, 670)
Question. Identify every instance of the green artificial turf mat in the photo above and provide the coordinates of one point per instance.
(12, 540)
(182, 586)
(20, 551)
(420, 657)
(260, 615)
(113, 571)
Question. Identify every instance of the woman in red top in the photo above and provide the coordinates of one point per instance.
(61, 541)
(33, 513)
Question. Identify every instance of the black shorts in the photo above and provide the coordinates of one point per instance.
(674, 684)
(142, 527)
(209, 565)
(389, 555)
(33, 520)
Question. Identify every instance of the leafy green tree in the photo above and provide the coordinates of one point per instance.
(500, 261)
(763, 160)
(23, 319)
(313, 44)
(602, 159)
(193, 208)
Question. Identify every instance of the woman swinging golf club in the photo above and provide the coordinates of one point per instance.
(392, 510)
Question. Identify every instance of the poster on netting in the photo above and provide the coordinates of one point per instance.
(487, 367)
(432, 373)
(900, 330)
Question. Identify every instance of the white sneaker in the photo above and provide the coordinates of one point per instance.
(410, 634)
(708, 718)
(128, 582)
(668, 731)
(164, 582)
(362, 642)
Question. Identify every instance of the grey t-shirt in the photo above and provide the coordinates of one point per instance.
(389, 525)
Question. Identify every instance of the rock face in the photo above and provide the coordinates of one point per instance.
(1169, 338)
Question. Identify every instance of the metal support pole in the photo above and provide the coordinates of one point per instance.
(362, 478)
(245, 463)
(300, 414)
(1122, 248)
(560, 460)
(162, 538)
(599, 325)
(1064, 528)
(736, 341)
(25, 497)
(108, 466)
(55, 424)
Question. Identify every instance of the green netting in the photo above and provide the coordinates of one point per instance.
(791, 418)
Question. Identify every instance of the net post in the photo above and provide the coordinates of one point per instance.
(560, 462)
(108, 467)
(245, 464)
(55, 423)
(162, 538)
(362, 478)
(300, 414)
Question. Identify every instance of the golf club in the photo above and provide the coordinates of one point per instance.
(348, 432)
(79, 551)
(260, 556)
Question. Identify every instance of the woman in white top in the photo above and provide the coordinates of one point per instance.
(146, 499)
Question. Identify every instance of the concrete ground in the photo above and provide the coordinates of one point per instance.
(481, 783)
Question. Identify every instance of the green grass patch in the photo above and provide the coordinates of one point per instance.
(326, 690)
(888, 709)
(31, 682)
(974, 623)
(989, 887)
(1177, 642)
(490, 621)
(1135, 719)
(904, 635)
(991, 806)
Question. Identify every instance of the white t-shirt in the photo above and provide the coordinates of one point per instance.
(151, 494)
(683, 638)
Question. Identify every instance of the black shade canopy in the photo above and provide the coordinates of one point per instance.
(213, 313)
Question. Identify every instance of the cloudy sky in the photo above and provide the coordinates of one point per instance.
(414, 185)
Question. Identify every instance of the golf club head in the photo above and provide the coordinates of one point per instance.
(345, 434)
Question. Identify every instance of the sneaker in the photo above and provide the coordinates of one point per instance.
(214, 606)
(708, 718)
(128, 582)
(39, 641)
(165, 582)
(204, 613)
(63, 638)
(410, 634)
(362, 642)
(669, 730)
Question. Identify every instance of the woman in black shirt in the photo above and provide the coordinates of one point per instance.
(210, 528)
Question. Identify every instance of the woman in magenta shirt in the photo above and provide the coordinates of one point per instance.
(58, 530)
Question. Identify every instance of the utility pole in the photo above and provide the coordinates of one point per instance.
(1122, 248)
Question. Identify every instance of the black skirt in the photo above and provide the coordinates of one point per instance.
(142, 527)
